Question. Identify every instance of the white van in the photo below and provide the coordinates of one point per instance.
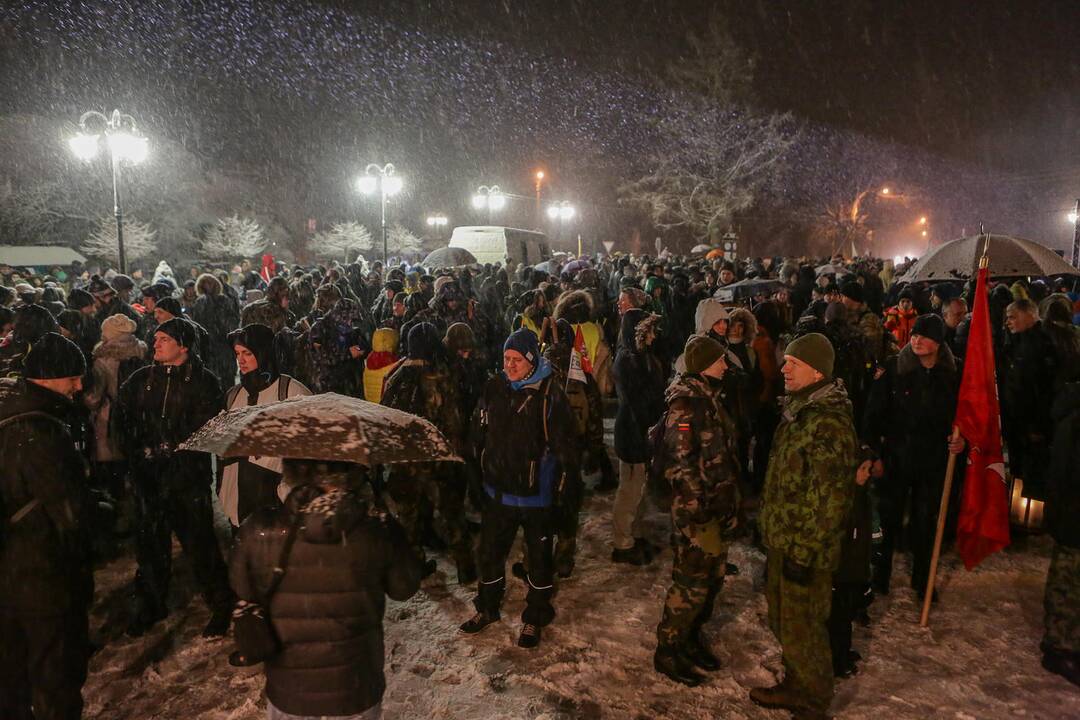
(509, 246)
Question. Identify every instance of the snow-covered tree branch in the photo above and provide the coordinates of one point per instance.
(139, 240)
(232, 238)
(401, 241)
(342, 240)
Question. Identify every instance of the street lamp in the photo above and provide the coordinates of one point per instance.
(1074, 218)
(383, 180)
(491, 198)
(561, 212)
(437, 222)
(124, 143)
(539, 181)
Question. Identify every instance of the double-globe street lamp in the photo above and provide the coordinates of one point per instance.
(490, 198)
(383, 180)
(124, 144)
(437, 223)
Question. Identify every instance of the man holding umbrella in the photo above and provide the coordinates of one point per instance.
(159, 407)
(523, 435)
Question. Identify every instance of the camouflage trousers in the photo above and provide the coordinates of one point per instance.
(696, 579)
(432, 486)
(1062, 601)
(797, 616)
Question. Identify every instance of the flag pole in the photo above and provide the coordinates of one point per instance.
(942, 511)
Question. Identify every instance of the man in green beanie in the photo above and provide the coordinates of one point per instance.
(807, 497)
(700, 461)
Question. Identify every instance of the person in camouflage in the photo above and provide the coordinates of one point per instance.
(882, 344)
(805, 503)
(272, 311)
(700, 462)
(422, 385)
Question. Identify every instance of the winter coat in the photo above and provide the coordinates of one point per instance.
(266, 313)
(216, 314)
(1029, 368)
(810, 478)
(283, 387)
(523, 435)
(882, 344)
(44, 565)
(328, 610)
(577, 309)
(701, 456)
(856, 548)
(900, 323)
(117, 306)
(380, 362)
(160, 406)
(639, 385)
(428, 391)
(114, 362)
(1063, 475)
(909, 416)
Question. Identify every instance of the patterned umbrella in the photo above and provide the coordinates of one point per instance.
(1010, 257)
(323, 427)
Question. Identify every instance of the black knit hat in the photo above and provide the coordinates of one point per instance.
(182, 331)
(853, 290)
(97, 286)
(930, 326)
(54, 356)
(33, 321)
(171, 305)
(79, 298)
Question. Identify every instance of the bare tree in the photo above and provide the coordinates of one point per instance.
(139, 240)
(232, 238)
(342, 239)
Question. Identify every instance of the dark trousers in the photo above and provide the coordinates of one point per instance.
(498, 528)
(189, 514)
(43, 664)
(893, 492)
(847, 600)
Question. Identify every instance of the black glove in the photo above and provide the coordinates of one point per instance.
(796, 573)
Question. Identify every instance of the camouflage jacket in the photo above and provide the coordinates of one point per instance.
(702, 461)
(811, 477)
(882, 344)
(266, 313)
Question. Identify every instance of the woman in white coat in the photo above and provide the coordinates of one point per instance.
(250, 483)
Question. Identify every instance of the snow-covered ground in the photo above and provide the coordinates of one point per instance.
(979, 659)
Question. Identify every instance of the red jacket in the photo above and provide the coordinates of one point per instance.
(900, 323)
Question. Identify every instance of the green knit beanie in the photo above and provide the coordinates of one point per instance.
(700, 353)
(815, 350)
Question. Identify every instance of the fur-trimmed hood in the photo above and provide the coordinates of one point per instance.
(747, 319)
(575, 306)
(908, 362)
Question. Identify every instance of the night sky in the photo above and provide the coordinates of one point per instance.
(971, 106)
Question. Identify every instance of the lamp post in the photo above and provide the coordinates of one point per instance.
(561, 212)
(539, 181)
(491, 198)
(1074, 218)
(437, 223)
(124, 144)
(383, 180)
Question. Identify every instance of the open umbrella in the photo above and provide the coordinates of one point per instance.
(698, 249)
(323, 427)
(448, 257)
(830, 269)
(747, 289)
(1009, 257)
(713, 254)
(548, 266)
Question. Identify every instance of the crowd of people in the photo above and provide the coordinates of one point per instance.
(810, 412)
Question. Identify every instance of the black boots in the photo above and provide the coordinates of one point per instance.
(699, 654)
(478, 622)
(671, 663)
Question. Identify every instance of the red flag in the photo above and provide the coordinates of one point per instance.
(984, 508)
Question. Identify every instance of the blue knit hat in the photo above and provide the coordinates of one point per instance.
(524, 342)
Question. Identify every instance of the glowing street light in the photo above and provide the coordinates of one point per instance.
(539, 181)
(124, 144)
(922, 220)
(885, 191)
(382, 179)
(561, 212)
(437, 223)
(1072, 216)
(490, 198)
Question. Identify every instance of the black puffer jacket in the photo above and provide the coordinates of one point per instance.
(639, 385)
(44, 564)
(328, 610)
(1063, 491)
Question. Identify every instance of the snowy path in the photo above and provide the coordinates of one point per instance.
(979, 660)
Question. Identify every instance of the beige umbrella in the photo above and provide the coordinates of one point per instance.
(1009, 257)
(323, 427)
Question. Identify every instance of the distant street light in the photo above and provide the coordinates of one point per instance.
(437, 223)
(885, 191)
(124, 143)
(490, 198)
(922, 220)
(539, 181)
(388, 184)
(561, 212)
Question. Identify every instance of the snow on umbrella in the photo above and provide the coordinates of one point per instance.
(323, 427)
(747, 289)
(449, 257)
(830, 269)
(1009, 257)
(575, 266)
(698, 249)
(548, 266)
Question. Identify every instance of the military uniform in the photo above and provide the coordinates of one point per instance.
(702, 467)
(807, 497)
